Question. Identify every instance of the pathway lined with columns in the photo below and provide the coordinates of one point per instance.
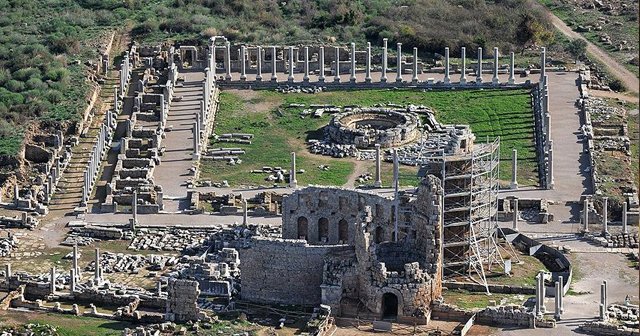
(174, 169)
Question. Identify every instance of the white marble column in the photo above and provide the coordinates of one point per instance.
(336, 77)
(378, 183)
(624, 216)
(305, 78)
(245, 214)
(52, 284)
(243, 63)
(367, 70)
(293, 181)
(291, 78)
(516, 214)
(585, 215)
(274, 65)
(259, 64)
(227, 61)
(558, 296)
(96, 274)
(479, 69)
(414, 78)
(383, 76)
(514, 169)
(352, 79)
(463, 68)
(399, 64)
(495, 80)
(321, 65)
(447, 78)
(543, 62)
(512, 69)
(605, 204)
(196, 142)
(561, 281)
(550, 179)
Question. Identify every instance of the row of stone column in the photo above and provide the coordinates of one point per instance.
(292, 64)
(545, 118)
(93, 167)
(605, 213)
(125, 75)
(54, 173)
(540, 308)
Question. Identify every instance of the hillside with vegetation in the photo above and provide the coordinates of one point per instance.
(46, 45)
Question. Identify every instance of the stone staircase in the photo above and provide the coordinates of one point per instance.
(68, 194)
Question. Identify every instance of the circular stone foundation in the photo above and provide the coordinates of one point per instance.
(366, 127)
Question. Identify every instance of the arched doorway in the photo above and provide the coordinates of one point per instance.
(343, 231)
(379, 237)
(323, 230)
(389, 306)
(303, 227)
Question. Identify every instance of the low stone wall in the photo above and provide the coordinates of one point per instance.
(606, 329)
(492, 316)
(503, 289)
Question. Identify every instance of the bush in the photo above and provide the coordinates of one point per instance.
(617, 85)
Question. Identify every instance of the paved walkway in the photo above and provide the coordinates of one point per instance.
(570, 161)
(173, 172)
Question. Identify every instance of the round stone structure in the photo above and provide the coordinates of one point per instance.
(366, 127)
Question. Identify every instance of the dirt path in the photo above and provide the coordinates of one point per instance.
(616, 69)
(359, 168)
(612, 94)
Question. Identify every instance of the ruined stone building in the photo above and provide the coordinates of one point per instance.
(339, 248)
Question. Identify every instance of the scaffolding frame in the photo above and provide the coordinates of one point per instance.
(469, 210)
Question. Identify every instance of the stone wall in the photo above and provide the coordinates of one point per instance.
(182, 296)
(338, 208)
(283, 271)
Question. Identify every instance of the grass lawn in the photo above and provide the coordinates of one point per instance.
(467, 300)
(522, 274)
(279, 130)
(67, 325)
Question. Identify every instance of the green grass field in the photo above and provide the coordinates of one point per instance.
(279, 130)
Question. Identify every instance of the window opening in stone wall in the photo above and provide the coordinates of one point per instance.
(389, 306)
(303, 227)
(323, 230)
(379, 235)
(343, 231)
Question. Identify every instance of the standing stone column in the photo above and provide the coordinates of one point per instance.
(16, 193)
(52, 284)
(352, 79)
(512, 69)
(558, 296)
(72, 280)
(603, 298)
(624, 216)
(244, 212)
(159, 288)
(551, 181)
(414, 79)
(479, 69)
(75, 260)
(336, 77)
(514, 169)
(134, 207)
(306, 65)
(543, 62)
(367, 70)
(539, 303)
(96, 275)
(560, 280)
(274, 65)
(447, 78)
(383, 76)
(378, 183)
(243, 63)
(196, 142)
(495, 80)
(321, 65)
(585, 214)
(516, 214)
(606, 295)
(293, 182)
(259, 64)
(543, 293)
(463, 68)
(291, 65)
(7, 272)
(399, 64)
(605, 229)
(227, 61)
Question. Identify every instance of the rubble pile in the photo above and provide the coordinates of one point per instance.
(300, 89)
(7, 245)
(329, 148)
(616, 241)
(130, 263)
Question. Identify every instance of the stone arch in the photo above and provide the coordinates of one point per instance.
(323, 229)
(394, 303)
(343, 230)
(303, 227)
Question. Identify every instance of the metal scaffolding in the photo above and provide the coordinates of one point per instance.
(470, 207)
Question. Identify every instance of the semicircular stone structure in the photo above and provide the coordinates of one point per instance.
(365, 127)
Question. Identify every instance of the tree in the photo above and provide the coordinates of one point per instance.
(531, 32)
(577, 48)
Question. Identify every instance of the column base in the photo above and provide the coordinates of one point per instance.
(463, 81)
(293, 184)
(305, 79)
(367, 80)
(414, 80)
(478, 81)
(447, 81)
(514, 185)
(511, 81)
(377, 184)
(195, 156)
(399, 80)
(320, 79)
(495, 81)
(383, 80)
(290, 79)
(336, 80)
(258, 79)
(352, 80)
(274, 79)
(227, 77)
